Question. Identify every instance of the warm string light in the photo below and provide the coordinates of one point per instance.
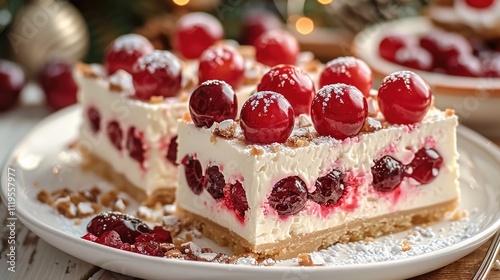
(181, 2)
(325, 2)
(304, 25)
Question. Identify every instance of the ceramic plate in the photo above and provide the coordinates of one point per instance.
(43, 160)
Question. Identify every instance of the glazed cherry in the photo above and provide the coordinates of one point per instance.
(464, 65)
(267, 117)
(293, 83)
(404, 98)
(425, 166)
(12, 81)
(115, 134)
(288, 196)
(212, 101)
(239, 200)
(135, 147)
(172, 150)
(57, 82)
(415, 57)
(94, 119)
(391, 44)
(276, 47)
(111, 239)
(480, 4)
(195, 32)
(124, 52)
(215, 182)
(222, 62)
(387, 174)
(256, 22)
(157, 74)
(329, 189)
(193, 173)
(348, 70)
(128, 227)
(339, 111)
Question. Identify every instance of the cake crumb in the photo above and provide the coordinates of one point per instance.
(119, 205)
(312, 66)
(371, 125)
(156, 99)
(186, 118)
(369, 239)
(225, 129)
(496, 265)
(77, 222)
(145, 213)
(45, 197)
(311, 259)
(458, 215)
(113, 87)
(304, 121)
(405, 246)
(268, 262)
(86, 70)
(246, 261)
(109, 198)
(449, 112)
(183, 97)
(275, 147)
(296, 142)
(256, 151)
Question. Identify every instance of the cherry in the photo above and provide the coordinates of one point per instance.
(275, 47)
(267, 117)
(293, 83)
(404, 98)
(288, 196)
(215, 182)
(387, 174)
(222, 62)
(12, 80)
(329, 189)
(348, 70)
(157, 74)
(239, 199)
(193, 173)
(111, 239)
(115, 134)
(444, 46)
(172, 150)
(479, 4)
(464, 65)
(124, 52)
(491, 66)
(128, 227)
(195, 32)
(425, 165)
(391, 44)
(135, 146)
(148, 248)
(339, 111)
(256, 22)
(161, 235)
(94, 119)
(90, 237)
(415, 57)
(57, 82)
(213, 101)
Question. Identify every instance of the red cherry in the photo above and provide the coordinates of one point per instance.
(387, 174)
(479, 4)
(94, 119)
(339, 111)
(288, 196)
(293, 83)
(215, 182)
(256, 22)
(404, 98)
(111, 239)
(222, 62)
(162, 235)
(491, 66)
(115, 134)
(267, 117)
(127, 226)
(329, 189)
(124, 52)
(193, 173)
(391, 44)
(58, 84)
(90, 237)
(425, 166)
(12, 81)
(464, 65)
(276, 47)
(172, 150)
(415, 57)
(445, 46)
(213, 101)
(195, 32)
(350, 71)
(148, 248)
(159, 73)
(135, 146)
(239, 199)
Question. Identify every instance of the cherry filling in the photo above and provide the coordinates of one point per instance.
(94, 119)
(193, 173)
(289, 196)
(135, 146)
(329, 189)
(387, 174)
(215, 182)
(127, 227)
(425, 166)
(239, 200)
(115, 134)
(172, 150)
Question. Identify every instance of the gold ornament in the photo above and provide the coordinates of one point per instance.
(46, 30)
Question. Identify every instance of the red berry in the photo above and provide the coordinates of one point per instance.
(256, 22)
(58, 84)
(12, 81)
(124, 52)
(445, 46)
(239, 199)
(425, 166)
(276, 47)
(158, 73)
(391, 44)
(111, 239)
(329, 189)
(128, 227)
(404, 98)
(193, 173)
(415, 57)
(215, 182)
(172, 150)
(464, 65)
(94, 119)
(148, 248)
(90, 237)
(213, 101)
(195, 32)
(267, 117)
(115, 134)
(289, 196)
(387, 174)
(135, 147)
(339, 111)
(162, 235)
(222, 62)
(350, 71)
(480, 4)
(293, 83)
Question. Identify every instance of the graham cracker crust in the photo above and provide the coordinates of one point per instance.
(310, 242)
(93, 163)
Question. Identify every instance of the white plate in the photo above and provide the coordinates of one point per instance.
(44, 151)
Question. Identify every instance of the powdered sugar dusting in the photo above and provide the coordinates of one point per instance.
(329, 91)
(342, 65)
(265, 97)
(160, 60)
(400, 75)
(216, 54)
(132, 42)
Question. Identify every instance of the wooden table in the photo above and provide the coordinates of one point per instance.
(38, 260)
